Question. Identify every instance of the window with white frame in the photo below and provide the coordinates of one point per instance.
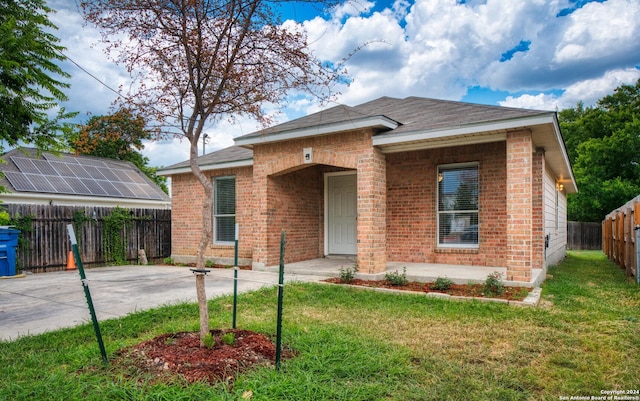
(458, 205)
(224, 209)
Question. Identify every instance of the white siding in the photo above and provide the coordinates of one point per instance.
(556, 229)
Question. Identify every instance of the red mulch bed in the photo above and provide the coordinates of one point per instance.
(180, 354)
(464, 290)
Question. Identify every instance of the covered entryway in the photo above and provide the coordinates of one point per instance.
(341, 213)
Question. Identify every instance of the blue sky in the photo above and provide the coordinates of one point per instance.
(542, 54)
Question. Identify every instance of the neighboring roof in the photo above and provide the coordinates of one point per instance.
(71, 179)
(233, 156)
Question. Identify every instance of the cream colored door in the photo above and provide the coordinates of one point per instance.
(342, 214)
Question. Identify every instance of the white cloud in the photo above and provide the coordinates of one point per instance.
(430, 48)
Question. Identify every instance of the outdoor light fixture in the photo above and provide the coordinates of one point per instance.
(559, 187)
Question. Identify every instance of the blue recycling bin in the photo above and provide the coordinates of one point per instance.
(8, 245)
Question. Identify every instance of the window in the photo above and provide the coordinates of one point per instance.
(458, 205)
(224, 209)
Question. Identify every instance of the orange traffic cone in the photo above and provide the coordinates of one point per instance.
(71, 265)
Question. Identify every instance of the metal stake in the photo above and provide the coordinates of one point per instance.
(280, 300)
(235, 280)
(87, 293)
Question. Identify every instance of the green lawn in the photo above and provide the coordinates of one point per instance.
(356, 344)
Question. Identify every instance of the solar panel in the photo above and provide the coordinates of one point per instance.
(94, 186)
(94, 172)
(80, 176)
(25, 165)
(110, 189)
(92, 162)
(62, 168)
(77, 186)
(19, 181)
(110, 175)
(80, 172)
(124, 177)
(60, 184)
(41, 183)
(45, 167)
(124, 189)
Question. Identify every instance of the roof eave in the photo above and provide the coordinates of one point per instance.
(207, 167)
(48, 198)
(441, 134)
(379, 122)
(479, 133)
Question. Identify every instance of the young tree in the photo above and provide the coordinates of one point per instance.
(117, 136)
(28, 87)
(197, 62)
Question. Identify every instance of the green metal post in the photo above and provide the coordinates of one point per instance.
(87, 293)
(235, 280)
(280, 300)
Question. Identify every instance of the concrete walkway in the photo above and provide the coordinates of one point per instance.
(44, 302)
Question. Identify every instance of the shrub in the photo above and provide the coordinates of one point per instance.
(441, 284)
(493, 284)
(209, 263)
(397, 279)
(229, 338)
(209, 341)
(348, 274)
(168, 261)
(4, 218)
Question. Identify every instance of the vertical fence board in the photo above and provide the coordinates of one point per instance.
(48, 242)
(618, 235)
(584, 236)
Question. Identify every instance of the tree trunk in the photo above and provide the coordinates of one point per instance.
(204, 310)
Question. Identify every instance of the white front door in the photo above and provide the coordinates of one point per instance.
(342, 214)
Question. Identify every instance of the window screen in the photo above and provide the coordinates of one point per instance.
(458, 205)
(224, 209)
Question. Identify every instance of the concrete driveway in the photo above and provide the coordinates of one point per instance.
(48, 301)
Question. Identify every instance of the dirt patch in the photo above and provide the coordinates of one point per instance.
(180, 354)
(462, 290)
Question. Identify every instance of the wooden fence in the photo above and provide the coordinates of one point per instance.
(619, 235)
(584, 236)
(46, 246)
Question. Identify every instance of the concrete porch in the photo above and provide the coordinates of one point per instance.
(421, 272)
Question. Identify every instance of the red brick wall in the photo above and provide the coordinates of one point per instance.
(411, 205)
(520, 203)
(186, 211)
(296, 206)
(280, 165)
(538, 221)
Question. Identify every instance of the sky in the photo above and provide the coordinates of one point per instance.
(535, 54)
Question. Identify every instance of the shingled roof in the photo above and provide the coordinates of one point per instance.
(406, 124)
(394, 116)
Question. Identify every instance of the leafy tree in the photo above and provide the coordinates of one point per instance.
(28, 87)
(197, 62)
(117, 136)
(603, 143)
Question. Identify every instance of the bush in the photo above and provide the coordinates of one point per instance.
(209, 341)
(168, 261)
(397, 279)
(441, 284)
(229, 338)
(348, 274)
(493, 284)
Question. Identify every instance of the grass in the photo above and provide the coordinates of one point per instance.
(355, 344)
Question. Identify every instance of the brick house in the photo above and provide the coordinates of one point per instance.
(403, 180)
